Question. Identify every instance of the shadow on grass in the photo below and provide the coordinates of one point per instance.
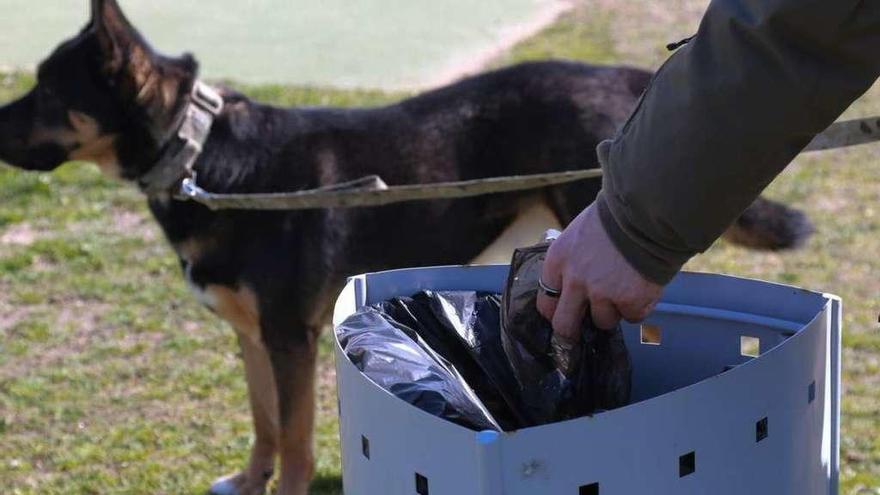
(326, 485)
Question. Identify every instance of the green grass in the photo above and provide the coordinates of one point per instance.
(581, 34)
(114, 381)
(112, 378)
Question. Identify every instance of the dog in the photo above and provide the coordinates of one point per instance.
(107, 97)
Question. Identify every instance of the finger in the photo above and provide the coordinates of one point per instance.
(551, 274)
(546, 305)
(636, 312)
(570, 313)
(605, 315)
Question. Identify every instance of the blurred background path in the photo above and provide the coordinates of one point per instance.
(387, 44)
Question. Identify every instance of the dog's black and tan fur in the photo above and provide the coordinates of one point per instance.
(106, 96)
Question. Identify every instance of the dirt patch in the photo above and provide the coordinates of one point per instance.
(21, 234)
(82, 315)
(82, 320)
(11, 315)
(135, 224)
(123, 222)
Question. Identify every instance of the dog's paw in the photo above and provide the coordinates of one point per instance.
(237, 484)
(227, 485)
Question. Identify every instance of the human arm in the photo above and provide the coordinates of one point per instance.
(719, 121)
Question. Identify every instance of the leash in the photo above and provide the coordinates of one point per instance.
(372, 190)
(846, 133)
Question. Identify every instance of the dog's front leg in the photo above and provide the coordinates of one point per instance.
(294, 367)
(264, 408)
(240, 308)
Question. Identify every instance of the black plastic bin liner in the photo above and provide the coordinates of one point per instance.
(464, 328)
(450, 354)
(394, 356)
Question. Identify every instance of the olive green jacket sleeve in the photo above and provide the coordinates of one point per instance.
(724, 115)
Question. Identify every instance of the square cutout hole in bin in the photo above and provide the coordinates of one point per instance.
(365, 446)
(651, 334)
(687, 464)
(749, 346)
(421, 484)
(591, 489)
(761, 430)
(811, 392)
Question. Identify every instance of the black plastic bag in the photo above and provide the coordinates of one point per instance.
(463, 357)
(558, 380)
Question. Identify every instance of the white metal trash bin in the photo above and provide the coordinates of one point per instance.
(706, 417)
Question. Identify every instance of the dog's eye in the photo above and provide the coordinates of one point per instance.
(49, 99)
(46, 93)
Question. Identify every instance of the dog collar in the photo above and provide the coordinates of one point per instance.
(181, 152)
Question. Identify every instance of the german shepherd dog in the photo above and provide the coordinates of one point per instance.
(106, 96)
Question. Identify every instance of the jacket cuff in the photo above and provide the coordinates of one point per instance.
(652, 260)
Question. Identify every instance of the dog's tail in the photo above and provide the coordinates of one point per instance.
(770, 226)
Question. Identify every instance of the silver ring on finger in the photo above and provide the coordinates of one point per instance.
(550, 291)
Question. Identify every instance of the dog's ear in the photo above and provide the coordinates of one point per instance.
(116, 36)
(138, 74)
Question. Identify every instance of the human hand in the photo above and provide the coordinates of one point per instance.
(592, 275)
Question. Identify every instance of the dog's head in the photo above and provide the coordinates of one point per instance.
(103, 96)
